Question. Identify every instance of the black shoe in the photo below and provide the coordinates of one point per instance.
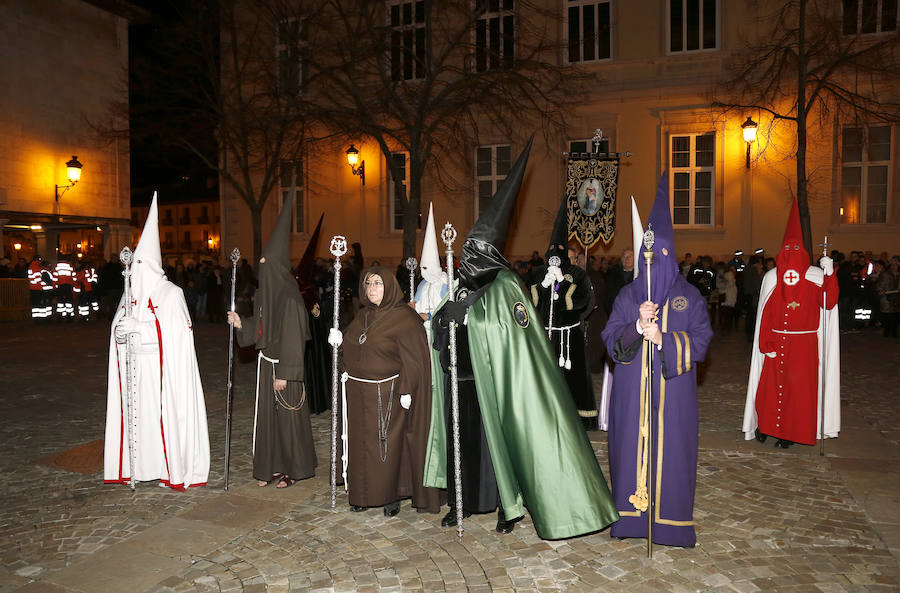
(392, 510)
(356, 509)
(504, 526)
(783, 444)
(449, 519)
(760, 436)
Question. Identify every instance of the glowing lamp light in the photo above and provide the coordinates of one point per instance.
(749, 130)
(17, 246)
(73, 170)
(35, 227)
(353, 160)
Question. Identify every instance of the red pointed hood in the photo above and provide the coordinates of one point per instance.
(792, 260)
(793, 254)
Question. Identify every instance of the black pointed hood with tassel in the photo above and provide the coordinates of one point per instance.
(482, 252)
(305, 272)
(559, 237)
(277, 284)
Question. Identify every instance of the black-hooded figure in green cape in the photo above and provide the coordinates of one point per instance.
(541, 456)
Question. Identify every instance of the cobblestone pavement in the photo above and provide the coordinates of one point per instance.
(767, 519)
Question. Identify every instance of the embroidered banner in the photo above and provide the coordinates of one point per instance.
(591, 198)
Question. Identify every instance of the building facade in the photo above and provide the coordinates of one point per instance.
(657, 67)
(188, 230)
(65, 65)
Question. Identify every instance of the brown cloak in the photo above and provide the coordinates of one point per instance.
(380, 473)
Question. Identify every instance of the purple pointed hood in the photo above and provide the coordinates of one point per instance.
(664, 268)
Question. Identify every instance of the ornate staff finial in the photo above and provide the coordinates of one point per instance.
(597, 139)
(448, 235)
(411, 263)
(649, 238)
(235, 255)
(338, 246)
(554, 261)
(126, 256)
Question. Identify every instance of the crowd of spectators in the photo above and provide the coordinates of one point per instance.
(869, 285)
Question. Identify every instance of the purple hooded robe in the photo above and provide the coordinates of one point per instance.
(669, 471)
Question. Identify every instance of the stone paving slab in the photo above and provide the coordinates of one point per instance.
(233, 510)
(183, 538)
(122, 568)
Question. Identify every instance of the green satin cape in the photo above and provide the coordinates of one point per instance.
(542, 457)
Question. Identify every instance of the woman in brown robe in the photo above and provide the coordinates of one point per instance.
(388, 390)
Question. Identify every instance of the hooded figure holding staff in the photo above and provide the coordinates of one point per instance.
(170, 438)
(674, 323)
(533, 443)
(283, 450)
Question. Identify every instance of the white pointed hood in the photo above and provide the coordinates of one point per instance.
(430, 263)
(637, 234)
(147, 270)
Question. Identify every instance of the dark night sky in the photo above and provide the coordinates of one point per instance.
(156, 163)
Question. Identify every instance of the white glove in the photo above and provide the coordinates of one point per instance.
(554, 274)
(405, 401)
(126, 325)
(771, 354)
(335, 337)
(827, 265)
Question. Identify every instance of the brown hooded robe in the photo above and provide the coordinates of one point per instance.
(279, 329)
(395, 344)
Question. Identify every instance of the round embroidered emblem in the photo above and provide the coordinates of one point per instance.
(462, 294)
(520, 313)
(791, 277)
(680, 303)
(315, 310)
(568, 278)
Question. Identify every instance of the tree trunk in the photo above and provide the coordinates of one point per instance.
(256, 219)
(802, 182)
(411, 209)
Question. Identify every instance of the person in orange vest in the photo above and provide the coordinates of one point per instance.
(38, 291)
(64, 281)
(84, 291)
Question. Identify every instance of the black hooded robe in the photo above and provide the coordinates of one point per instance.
(283, 436)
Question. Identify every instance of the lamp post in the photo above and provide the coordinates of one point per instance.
(73, 173)
(749, 130)
(352, 160)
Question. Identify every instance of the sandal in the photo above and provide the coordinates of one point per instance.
(263, 484)
(285, 482)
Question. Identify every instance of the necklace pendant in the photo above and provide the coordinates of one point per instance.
(362, 338)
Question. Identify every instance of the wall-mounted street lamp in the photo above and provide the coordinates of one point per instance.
(352, 160)
(73, 173)
(749, 130)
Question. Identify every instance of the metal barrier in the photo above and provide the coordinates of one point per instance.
(14, 301)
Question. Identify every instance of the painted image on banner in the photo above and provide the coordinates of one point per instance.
(590, 196)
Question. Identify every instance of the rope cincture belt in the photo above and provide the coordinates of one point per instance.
(565, 337)
(259, 360)
(383, 421)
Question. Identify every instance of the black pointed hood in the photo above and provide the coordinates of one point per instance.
(305, 272)
(277, 284)
(482, 252)
(559, 237)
